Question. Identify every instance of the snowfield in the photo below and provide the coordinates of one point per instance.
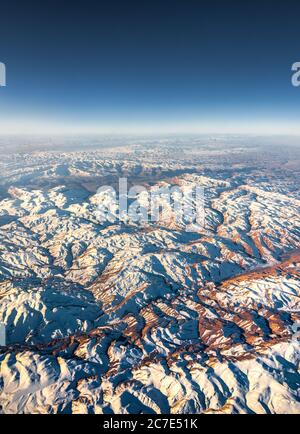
(106, 317)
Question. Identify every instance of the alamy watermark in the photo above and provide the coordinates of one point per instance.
(181, 206)
(2, 335)
(296, 75)
(2, 74)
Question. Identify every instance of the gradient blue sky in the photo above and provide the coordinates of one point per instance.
(113, 66)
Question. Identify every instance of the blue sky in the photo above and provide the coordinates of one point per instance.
(116, 66)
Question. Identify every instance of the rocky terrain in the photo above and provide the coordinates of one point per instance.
(108, 317)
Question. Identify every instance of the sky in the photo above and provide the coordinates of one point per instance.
(149, 66)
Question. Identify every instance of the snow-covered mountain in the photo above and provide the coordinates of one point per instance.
(127, 318)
